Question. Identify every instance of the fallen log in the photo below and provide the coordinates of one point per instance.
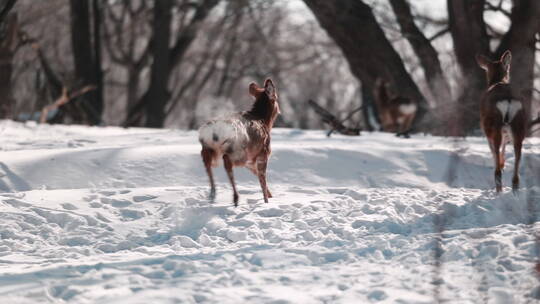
(64, 99)
(336, 125)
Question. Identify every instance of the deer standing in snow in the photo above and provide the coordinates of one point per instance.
(242, 139)
(502, 115)
(396, 113)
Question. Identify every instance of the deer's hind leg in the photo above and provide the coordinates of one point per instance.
(502, 155)
(208, 157)
(405, 127)
(518, 143)
(229, 168)
(495, 146)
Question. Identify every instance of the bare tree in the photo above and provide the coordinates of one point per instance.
(368, 51)
(9, 28)
(127, 42)
(423, 49)
(165, 58)
(87, 54)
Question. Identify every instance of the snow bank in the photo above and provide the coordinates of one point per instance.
(91, 215)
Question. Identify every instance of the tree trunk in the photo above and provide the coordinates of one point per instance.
(369, 111)
(132, 88)
(425, 52)
(355, 30)
(5, 8)
(469, 35)
(8, 41)
(157, 95)
(87, 68)
(470, 38)
(97, 10)
(155, 99)
(521, 40)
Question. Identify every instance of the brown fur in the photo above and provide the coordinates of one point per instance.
(251, 152)
(492, 121)
(392, 119)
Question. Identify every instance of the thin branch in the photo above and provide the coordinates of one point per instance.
(439, 34)
(497, 8)
(63, 99)
(334, 123)
(535, 122)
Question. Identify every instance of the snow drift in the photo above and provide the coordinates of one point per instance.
(92, 215)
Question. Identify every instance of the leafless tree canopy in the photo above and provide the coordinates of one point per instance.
(175, 63)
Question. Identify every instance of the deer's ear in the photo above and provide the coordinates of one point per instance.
(269, 88)
(254, 89)
(483, 61)
(506, 59)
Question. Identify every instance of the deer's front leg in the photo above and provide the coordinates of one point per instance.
(261, 172)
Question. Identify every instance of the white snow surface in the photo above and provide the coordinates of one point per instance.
(112, 215)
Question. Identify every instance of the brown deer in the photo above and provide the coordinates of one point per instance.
(242, 139)
(396, 113)
(503, 116)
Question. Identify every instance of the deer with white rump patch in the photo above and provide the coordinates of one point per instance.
(242, 139)
(396, 113)
(503, 116)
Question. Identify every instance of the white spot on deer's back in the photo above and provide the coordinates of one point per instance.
(407, 108)
(509, 107)
(218, 132)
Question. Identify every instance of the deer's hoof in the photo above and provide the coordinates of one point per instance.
(235, 199)
(515, 188)
(212, 195)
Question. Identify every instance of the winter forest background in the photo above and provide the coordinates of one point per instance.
(176, 63)
(94, 212)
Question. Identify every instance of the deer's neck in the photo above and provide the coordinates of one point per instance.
(263, 110)
(496, 84)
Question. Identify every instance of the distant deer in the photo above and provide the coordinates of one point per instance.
(502, 115)
(396, 113)
(242, 139)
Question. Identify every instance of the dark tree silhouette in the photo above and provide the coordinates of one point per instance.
(154, 101)
(8, 44)
(368, 51)
(87, 55)
(355, 30)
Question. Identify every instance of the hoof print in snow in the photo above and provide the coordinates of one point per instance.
(271, 212)
(142, 198)
(355, 221)
(377, 295)
(184, 241)
(69, 206)
(236, 235)
(130, 214)
(107, 193)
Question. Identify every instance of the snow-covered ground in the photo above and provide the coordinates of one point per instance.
(108, 215)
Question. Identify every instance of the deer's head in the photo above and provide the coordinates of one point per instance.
(266, 105)
(496, 71)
